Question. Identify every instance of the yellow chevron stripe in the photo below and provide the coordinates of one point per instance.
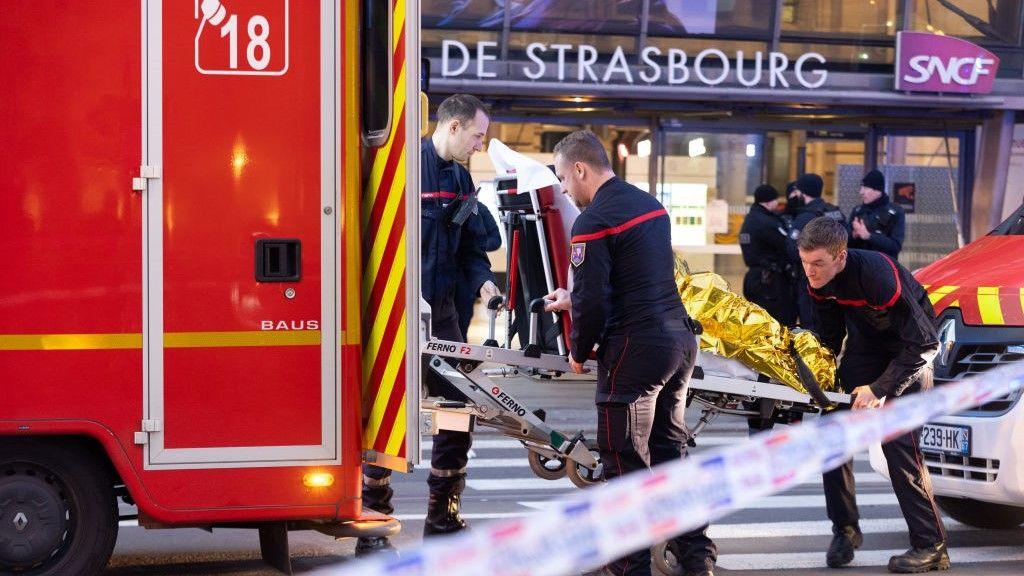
(379, 393)
(376, 176)
(398, 430)
(1022, 299)
(940, 293)
(387, 384)
(129, 341)
(988, 304)
(389, 299)
(380, 159)
(389, 219)
(398, 20)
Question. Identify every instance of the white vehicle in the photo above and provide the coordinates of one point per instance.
(976, 457)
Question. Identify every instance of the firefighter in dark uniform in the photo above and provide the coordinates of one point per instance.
(808, 192)
(625, 301)
(873, 303)
(450, 253)
(768, 253)
(485, 231)
(877, 224)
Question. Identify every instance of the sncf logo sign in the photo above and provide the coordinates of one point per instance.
(933, 63)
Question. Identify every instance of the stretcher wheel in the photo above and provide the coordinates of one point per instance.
(584, 477)
(663, 561)
(546, 468)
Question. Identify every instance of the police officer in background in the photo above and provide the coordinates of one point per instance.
(768, 252)
(877, 224)
(808, 192)
(794, 204)
(625, 300)
(450, 253)
(875, 312)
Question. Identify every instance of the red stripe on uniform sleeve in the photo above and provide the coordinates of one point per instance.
(899, 286)
(446, 195)
(620, 228)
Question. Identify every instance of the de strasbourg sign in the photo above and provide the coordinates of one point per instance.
(934, 63)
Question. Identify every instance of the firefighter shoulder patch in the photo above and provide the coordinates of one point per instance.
(578, 253)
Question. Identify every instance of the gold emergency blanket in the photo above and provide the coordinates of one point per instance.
(739, 329)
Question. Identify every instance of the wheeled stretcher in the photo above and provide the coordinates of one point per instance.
(536, 222)
(719, 386)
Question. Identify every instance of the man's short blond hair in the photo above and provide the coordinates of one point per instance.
(823, 232)
(583, 146)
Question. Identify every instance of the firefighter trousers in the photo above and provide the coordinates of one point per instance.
(907, 471)
(646, 376)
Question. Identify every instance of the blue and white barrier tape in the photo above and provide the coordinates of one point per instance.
(595, 526)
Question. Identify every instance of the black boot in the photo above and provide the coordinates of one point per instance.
(921, 560)
(704, 568)
(443, 508)
(367, 545)
(845, 540)
(377, 495)
(690, 561)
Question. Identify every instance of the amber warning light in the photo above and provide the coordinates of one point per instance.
(318, 480)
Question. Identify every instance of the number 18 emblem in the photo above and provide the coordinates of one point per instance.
(241, 38)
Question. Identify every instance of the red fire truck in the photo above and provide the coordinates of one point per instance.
(207, 281)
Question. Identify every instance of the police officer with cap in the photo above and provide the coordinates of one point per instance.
(451, 252)
(794, 204)
(877, 224)
(625, 301)
(808, 191)
(874, 311)
(809, 187)
(768, 252)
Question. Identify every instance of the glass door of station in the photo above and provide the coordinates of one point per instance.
(706, 177)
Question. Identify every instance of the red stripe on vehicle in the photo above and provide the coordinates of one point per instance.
(387, 425)
(621, 227)
(1010, 304)
(446, 195)
(388, 258)
(388, 338)
(384, 191)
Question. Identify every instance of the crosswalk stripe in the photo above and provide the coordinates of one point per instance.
(509, 443)
(779, 502)
(515, 484)
(787, 529)
(795, 560)
(483, 443)
(467, 516)
(534, 483)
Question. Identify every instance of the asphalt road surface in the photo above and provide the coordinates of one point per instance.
(785, 533)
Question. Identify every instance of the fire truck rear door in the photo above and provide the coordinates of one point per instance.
(241, 233)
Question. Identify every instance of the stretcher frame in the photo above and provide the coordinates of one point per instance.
(552, 453)
(527, 216)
